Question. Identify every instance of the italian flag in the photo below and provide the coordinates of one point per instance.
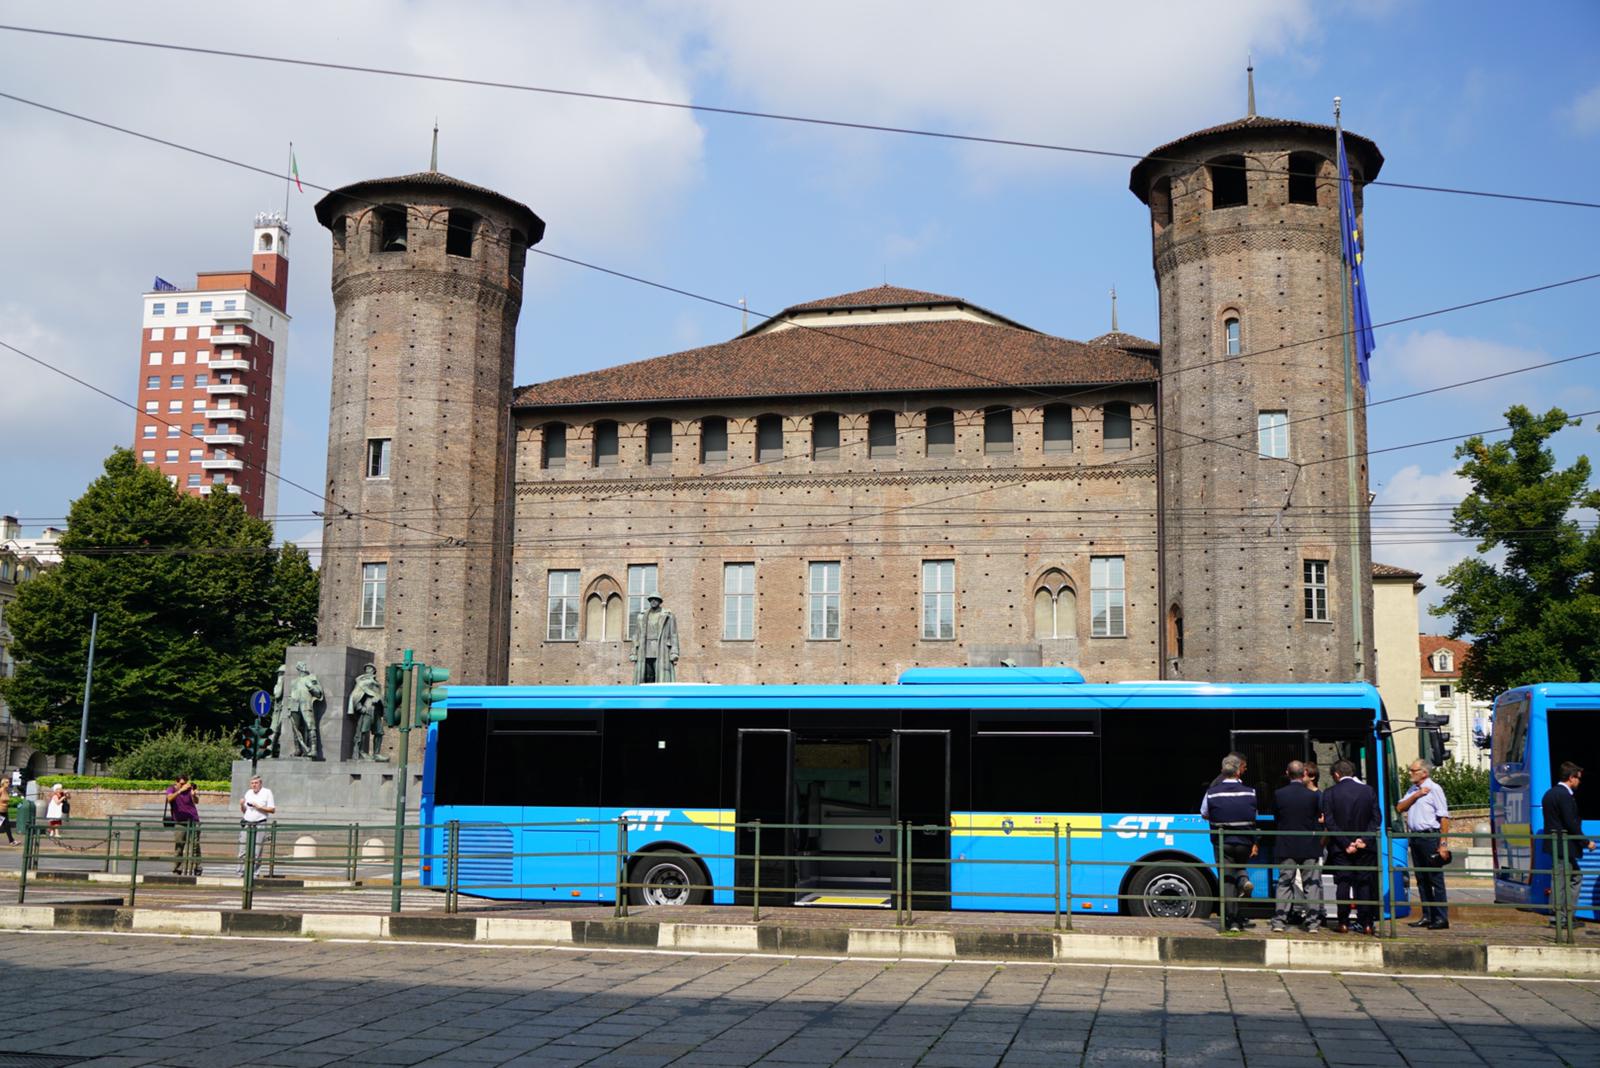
(294, 171)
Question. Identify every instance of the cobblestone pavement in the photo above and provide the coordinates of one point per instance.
(209, 1003)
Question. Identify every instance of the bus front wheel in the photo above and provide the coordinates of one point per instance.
(1168, 891)
(667, 879)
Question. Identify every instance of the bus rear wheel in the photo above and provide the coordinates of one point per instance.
(667, 879)
(1169, 892)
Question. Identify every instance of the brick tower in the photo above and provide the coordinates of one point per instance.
(1266, 537)
(427, 287)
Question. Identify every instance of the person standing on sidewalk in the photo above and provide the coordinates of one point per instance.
(183, 808)
(254, 809)
(5, 812)
(1561, 820)
(55, 810)
(1350, 814)
(1428, 822)
(1298, 849)
(1230, 807)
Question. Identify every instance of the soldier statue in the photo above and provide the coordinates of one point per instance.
(301, 706)
(655, 644)
(277, 706)
(366, 704)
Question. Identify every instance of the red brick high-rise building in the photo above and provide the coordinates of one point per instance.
(211, 370)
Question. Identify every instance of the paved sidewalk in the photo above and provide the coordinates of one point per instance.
(118, 1002)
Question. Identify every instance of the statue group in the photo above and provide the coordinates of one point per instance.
(296, 701)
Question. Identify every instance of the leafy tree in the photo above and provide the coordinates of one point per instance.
(1537, 618)
(196, 608)
(177, 752)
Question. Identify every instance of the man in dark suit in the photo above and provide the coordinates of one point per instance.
(1298, 849)
(1351, 817)
(1561, 819)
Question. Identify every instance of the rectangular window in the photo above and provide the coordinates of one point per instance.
(1231, 328)
(713, 439)
(940, 431)
(202, 379)
(825, 436)
(158, 333)
(175, 405)
(155, 359)
(152, 406)
(562, 618)
(172, 480)
(180, 333)
(738, 602)
(158, 308)
(195, 455)
(205, 307)
(1316, 591)
(182, 308)
(642, 582)
(658, 442)
(229, 305)
(177, 381)
(173, 431)
(152, 382)
(1107, 597)
(199, 404)
(1444, 691)
(202, 356)
(822, 607)
(554, 446)
(149, 431)
(172, 456)
(939, 599)
(378, 457)
(374, 594)
(180, 357)
(198, 429)
(148, 456)
(218, 478)
(769, 438)
(881, 435)
(203, 331)
(1272, 433)
(194, 480)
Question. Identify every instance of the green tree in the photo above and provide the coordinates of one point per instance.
(1537, 617)
(196, 608)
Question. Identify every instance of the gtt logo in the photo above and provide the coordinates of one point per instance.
(640, 819)
(1140, 826)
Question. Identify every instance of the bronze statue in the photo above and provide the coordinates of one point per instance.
(277, 706)
(366, 703)
(301, 706)
(655, 644)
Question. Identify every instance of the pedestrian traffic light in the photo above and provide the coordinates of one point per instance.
(393, 683)
(430, 695)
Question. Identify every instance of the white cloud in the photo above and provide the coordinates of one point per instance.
(1418, 539)
(1435, 358)
(1583, 114)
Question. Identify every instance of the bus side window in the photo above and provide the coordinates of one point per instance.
(1511, 732)
(1574, 735)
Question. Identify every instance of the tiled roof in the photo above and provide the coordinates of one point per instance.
(1391, 571)
(1428, 644)
(957, 353)
(377, 190)
(1116, 339)
(877, 297)
(1364, 151)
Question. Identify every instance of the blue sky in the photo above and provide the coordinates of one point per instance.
(1463, 95)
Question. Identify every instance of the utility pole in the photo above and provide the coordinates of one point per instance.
(88, 680)
(402, 758)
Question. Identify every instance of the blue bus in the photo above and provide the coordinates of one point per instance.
(1535, 729)
(993, 756)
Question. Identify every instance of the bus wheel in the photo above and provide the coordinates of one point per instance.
(667, 879)
(1168, 891)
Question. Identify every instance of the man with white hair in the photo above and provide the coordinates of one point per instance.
(1428, 826)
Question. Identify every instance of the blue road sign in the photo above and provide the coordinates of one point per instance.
(261, 704)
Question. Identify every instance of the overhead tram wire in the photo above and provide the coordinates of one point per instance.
(1162, 375)
(743, 113)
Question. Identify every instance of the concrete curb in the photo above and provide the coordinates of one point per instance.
(879, 942)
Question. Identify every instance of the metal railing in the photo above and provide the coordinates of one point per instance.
(1052, 867)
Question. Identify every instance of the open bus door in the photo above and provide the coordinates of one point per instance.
(922, 799)
(1266, 754)
(766, 793)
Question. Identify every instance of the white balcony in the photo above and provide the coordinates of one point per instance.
(230, 364)
(232, 315)
(231, 487)
(238, 389)
(221, 340)
(215, 464)
(223, 439)
(228, 412)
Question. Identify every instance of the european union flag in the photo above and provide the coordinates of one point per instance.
(1350, 237)
(164, 286)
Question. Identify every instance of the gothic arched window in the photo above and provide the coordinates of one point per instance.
(1055, 606)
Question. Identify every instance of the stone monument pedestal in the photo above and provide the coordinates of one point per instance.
(316, 791)
(336, 666)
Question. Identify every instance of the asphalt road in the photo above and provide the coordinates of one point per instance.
(127, 1000)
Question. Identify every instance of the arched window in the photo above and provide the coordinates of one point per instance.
(1228, 186)
(997, 431)
(603, 611)
(713, 439)
(553, 450)
(1057, 428)
(658, 441)
(1233, 339)
(881, 435)
(605, 443)
(1055, 606)
(266, 242)
(1175, 631)
(769, 438)
(1442, 660)
(1118, 426)
(940, 424)
(825, 436)
(461, 226)
(389, 229)
(1303, 170)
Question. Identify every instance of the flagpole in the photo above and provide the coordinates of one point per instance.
(286, 173)
(1352, 469)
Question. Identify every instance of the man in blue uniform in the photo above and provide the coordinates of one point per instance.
(1351, 817)
(1230, 807)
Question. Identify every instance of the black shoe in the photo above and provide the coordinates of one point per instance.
(1442, 925)
(1420, 923)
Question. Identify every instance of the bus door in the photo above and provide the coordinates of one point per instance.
(765, 792)
(922, 798)
(1513, 811)
(1266, 754)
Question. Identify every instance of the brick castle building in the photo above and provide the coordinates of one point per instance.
(865, 482)
(211, 371)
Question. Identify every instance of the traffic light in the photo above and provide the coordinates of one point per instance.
(247, 743)
(430, 695)
(266, 744)
(393, 682)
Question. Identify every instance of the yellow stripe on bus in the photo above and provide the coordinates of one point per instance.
(718, 819)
